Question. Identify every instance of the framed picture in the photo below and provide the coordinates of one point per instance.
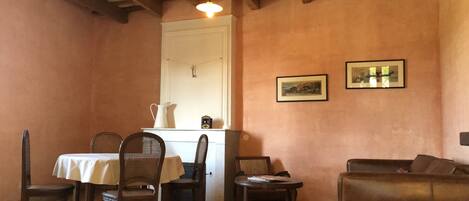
(302, 88)
(382, 74)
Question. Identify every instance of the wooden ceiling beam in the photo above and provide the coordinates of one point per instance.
(254, 4)
(154, 6)
(196, 2)
(104, 8)
(133, 8)
(307, 1)
(124, 4)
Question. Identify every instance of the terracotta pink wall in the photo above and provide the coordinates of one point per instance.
(126, 74)
(313, 140)
(45, 85)
(454, 48)
(85, 74)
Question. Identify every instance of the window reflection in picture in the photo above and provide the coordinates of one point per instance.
(375, 74)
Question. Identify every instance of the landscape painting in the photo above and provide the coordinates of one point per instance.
(375, 74)
(302, 88)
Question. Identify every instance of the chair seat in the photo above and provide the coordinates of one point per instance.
(107, 187)
(129, 194)
(52, 189)
(184, 182)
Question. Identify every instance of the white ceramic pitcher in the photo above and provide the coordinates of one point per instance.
(161, 120)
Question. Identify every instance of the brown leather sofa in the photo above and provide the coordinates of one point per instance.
(425, 178)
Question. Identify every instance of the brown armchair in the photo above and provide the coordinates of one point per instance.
(425, 178)
(258, 165)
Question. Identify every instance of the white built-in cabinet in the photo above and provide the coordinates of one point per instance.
(197, 71)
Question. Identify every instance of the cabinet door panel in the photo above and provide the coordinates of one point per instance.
(195, 77)
(186, 150)
(212, 189)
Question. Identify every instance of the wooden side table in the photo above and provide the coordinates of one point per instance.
(290, 186)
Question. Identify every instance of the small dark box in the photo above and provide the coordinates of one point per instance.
(464, 138)
(206, 122)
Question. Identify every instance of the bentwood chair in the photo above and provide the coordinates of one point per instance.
(141, 158)
(103, 142)
(196, 182)
(255, 166)
(106, 142)
(58, 191)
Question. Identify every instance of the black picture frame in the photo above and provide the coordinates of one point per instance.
(324, 78)
(403, 78)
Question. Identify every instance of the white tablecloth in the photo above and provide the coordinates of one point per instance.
(104, 168)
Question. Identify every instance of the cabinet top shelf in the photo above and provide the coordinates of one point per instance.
(188, 129)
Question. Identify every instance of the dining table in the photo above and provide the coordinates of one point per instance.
(103, 169)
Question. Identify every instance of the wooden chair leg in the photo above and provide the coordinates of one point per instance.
(237, 193)
(24, 197)
(201, 194)
(76, 196)
(89, 192)
(292, 194)
(195, 195)
(92, 192)
(166, 192)
(175, 195)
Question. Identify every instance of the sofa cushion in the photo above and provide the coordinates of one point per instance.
(441, 166)
(461, 169)
(402, 170)
(402, 187)
(421, 163)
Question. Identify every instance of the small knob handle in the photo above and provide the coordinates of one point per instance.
(194, 71)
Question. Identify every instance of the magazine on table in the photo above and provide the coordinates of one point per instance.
(268, 178)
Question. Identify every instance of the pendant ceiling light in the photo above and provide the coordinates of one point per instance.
(209, 8)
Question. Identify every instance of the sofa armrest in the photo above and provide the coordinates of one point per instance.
(377, 165)
(283, 174)
(369, 186)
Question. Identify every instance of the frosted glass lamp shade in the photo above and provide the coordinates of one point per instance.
(209, 8)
